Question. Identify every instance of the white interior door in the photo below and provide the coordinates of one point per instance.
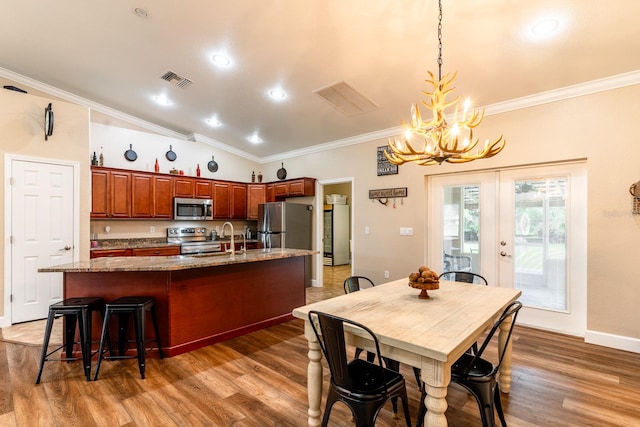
(42, 234)
(521, 228)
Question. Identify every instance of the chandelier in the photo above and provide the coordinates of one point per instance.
(437, 140)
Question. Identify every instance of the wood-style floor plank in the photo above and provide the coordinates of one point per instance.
(260, 380)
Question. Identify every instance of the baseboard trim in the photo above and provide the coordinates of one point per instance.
(613, 341)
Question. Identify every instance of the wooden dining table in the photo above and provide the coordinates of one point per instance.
(430, 334)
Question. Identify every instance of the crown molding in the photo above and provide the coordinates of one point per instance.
(69, 97)
(568, 92)
(196, 137)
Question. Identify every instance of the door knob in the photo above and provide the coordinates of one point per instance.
(503, 253)
(66, 248)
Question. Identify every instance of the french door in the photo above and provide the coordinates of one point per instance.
(521, 228)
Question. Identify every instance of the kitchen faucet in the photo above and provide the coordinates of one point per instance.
(233, 244)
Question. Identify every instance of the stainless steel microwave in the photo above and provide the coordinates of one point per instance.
(192, 209)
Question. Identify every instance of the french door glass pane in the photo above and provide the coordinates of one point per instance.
(461, 228)
(540, 242)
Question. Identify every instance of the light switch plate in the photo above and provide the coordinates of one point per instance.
(406, 231)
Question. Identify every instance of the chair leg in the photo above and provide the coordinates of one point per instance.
(103, 335)
(156, 330)
(123, 329)
(394, 365)
(139, 325)
(332, 397)
(45, 345)
(69, 334)
(422, 408)
(416, 373)
(405, 408)
(85, 341)
(498, 404)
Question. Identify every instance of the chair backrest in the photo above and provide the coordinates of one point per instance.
(464, 276)
(456, 262)
(511, 311)
(352, 284)
(332, 342)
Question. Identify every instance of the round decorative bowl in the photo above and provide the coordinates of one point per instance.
(425, 287)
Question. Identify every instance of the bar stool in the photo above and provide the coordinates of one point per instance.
(73, 310)
(137, 307)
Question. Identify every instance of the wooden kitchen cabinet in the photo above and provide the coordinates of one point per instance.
(221, 200)
(159, 251)
(183, 186)
(203, 189)
(238, 201)
(270, 195)
(151, 196)
(142, 203)
(99, 253)
(163, 197)
(110, 194)
(256, 194)
(294, 188)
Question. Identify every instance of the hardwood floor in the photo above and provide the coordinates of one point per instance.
(259, 380)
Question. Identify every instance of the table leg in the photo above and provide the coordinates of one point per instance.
(505, 368)
(314, 376)
(436, 376)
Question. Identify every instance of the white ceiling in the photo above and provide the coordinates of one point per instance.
(103, 52)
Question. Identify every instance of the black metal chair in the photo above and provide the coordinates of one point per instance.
(464, 276)
(478, 375)
(123, 308)
(361, 385)
(74, 311)
(352, 283)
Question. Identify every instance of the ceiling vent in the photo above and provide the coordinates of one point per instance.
(174, 78)
(346, 99)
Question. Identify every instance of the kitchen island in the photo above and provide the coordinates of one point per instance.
(199, 299)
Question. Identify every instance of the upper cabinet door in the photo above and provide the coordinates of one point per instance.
(221, 200)
(256, 195)
(141, 195)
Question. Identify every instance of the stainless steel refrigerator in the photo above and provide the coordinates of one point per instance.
(286, 225)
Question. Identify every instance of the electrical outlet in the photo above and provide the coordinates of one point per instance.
(386, 274)
(366, 230)
(152, 229)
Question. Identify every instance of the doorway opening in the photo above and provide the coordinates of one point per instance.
(334, 199)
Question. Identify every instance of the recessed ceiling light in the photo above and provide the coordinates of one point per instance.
(162, 100)
(221, 60)
(140, 12)
(545, 27)
(277, 94)
(255, 139)
(214, 122)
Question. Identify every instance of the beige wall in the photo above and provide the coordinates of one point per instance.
(22, 134)
(598, 128)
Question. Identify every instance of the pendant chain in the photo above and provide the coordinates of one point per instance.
(440, 40)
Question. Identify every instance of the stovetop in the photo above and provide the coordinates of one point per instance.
(186, 234)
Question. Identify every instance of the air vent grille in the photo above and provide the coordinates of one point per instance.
(346, 99)
(176, 79)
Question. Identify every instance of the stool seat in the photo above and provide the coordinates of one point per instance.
(125, 307)
(74, 310)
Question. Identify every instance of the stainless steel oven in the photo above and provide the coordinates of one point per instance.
(192, 209)
(192, 240)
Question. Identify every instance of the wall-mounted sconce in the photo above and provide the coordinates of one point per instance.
(48, 122)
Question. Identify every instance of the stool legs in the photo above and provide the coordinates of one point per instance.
(123, 308)
(45, 345)
(74, 311)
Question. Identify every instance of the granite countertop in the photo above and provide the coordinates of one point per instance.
(150, 242)
(173, 263)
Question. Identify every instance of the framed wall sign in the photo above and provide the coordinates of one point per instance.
(385, 167)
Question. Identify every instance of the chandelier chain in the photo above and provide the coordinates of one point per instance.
(440, 40)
